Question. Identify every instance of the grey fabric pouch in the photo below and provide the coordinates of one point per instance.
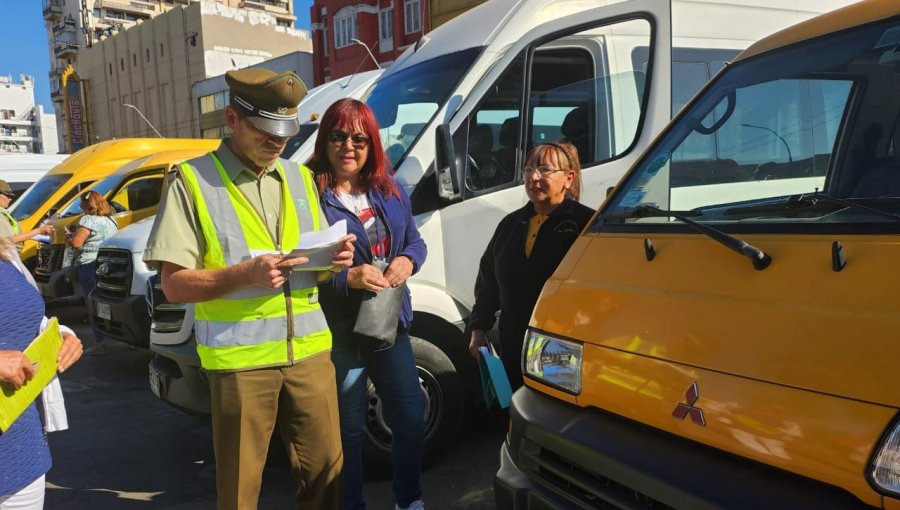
(379, 313)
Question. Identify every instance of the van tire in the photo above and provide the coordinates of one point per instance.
(444, 407)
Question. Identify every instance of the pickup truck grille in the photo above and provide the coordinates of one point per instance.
(581, 483)
(113, 273)
(49, 260)
(166, 317)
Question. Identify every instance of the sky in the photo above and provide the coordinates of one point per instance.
(25, 50)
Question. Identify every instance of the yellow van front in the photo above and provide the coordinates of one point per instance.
(723, 334)
(133, 190)
(78, 172)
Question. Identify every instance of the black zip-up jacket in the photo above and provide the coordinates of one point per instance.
(511, 282)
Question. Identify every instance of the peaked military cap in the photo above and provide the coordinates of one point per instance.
(5, 189)
(268, 100)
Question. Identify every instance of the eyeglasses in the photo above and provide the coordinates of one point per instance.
(338, 139)
(545, 171)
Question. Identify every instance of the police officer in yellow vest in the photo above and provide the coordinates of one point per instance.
(9, 227)
(261, 335)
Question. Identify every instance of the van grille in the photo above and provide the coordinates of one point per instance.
(581, 483)
(49, 260)
(166, 317)
(113, 273)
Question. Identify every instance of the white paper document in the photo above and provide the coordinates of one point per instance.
(319, 247)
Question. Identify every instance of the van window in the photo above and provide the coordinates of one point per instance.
(493, 132)
(46, 186)
(406, 101)
(103, 187)
(779, 134)
(138, 194)
(582, 88)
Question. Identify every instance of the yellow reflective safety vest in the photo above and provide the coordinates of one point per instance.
(16, 229)
(254, 327)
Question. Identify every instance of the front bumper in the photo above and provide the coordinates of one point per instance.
(176, 377)
(559, 456)
(126, 320)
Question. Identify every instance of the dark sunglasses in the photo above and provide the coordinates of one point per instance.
(339, 138)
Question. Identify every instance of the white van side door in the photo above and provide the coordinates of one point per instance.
(574, 78)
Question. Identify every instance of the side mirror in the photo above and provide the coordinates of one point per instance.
(447, 168)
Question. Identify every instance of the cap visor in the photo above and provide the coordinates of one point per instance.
(282, 128)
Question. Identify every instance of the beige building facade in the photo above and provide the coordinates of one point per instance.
(148, 54)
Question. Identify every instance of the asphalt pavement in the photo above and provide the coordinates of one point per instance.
(125, 449)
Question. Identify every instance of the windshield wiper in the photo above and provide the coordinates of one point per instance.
(759, 258)
(825, 197)
(806, 201)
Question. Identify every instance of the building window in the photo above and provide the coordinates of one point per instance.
(134, 59)
(110, 68)
(162, 51)
(413, 17)
(213, 102)
(386, 23)
(122, 64)
(344, 30)
(147, 54)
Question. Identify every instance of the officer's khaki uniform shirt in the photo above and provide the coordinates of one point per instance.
(6, 229)
(176, 236)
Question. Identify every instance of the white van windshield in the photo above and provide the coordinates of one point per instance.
(29, 203)
(406, 101)
(805, 134)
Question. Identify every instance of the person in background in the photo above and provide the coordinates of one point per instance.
(23, 447)
(219, 239)
(356, 184)
(526, 248)
(95, 226)
(9, 227)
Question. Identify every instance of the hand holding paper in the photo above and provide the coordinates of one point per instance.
(321, 248)
(42, 353)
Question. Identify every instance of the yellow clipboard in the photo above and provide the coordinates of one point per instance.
(42, 352)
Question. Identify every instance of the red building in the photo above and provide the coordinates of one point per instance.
(386, 27)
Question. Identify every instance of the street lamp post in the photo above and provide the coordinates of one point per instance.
(357, 41)
(126, 105)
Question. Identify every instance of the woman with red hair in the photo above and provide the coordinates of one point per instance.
(356, 185)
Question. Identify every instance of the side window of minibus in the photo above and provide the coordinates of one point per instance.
(493, 133)
(138, 194)
(585, 90)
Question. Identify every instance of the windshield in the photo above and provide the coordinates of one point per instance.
(37, 195)
(406, 101)
(778, 133)
(294, 142)
(103, 187)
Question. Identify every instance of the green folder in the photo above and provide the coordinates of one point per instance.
(42, 352)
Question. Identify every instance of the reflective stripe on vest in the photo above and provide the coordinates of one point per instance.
(12, 221)
(254, 326)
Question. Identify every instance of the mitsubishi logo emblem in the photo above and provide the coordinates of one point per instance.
(690, 397)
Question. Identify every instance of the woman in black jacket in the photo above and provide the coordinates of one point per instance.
(526, 248)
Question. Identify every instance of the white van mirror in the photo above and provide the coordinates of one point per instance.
(447, 168)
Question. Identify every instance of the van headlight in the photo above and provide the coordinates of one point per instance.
(886, 464)
(553, 361)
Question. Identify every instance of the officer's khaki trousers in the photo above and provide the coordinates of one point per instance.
(245, 406)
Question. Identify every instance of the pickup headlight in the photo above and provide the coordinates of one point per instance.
(553, 361)
(886, 464)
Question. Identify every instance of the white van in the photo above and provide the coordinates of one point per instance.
(23, 170)
(460, 109)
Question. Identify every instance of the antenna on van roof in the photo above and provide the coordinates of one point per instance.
(377, 65)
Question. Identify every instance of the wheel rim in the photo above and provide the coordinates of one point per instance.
(376, 426)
